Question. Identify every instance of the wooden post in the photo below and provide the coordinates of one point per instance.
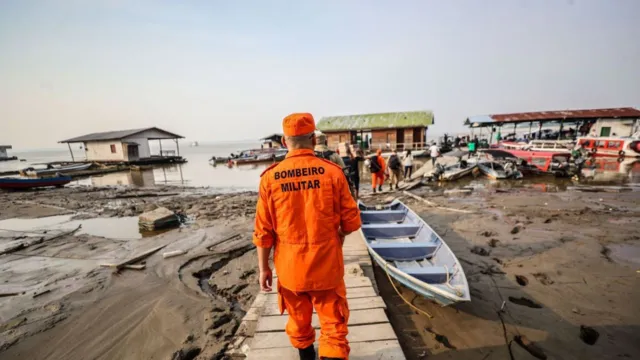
(515, 134)
(71, 151)
(493, 129)
(160, 142)
(540, 131)
(530, 124)
(177, 146)
(560, 132)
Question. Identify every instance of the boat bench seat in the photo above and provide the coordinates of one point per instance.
(382, 216)
(430, 274)
(389, 231)
(404, 251)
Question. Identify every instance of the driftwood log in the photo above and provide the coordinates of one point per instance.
(135, 259)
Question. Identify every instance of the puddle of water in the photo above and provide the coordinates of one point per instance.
(43, 223)
(629, 253)
(113, 228)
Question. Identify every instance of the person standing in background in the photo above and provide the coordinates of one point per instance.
(408, 165)
(434, 151)
(394, 166)
(377, 167)
(355, 167)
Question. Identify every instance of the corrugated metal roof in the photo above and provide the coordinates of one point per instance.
(376, 121)
(627, 112)
(116, 135)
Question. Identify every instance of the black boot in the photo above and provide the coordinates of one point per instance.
(307, 353)
(380, 188)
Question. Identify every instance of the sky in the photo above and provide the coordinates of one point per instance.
(231, 70)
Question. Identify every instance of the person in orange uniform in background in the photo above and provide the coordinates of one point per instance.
(377, 178)
(304, 212)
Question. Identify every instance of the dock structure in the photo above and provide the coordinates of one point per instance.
(261, 334)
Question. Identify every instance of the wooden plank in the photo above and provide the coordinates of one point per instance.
(388, 350)
(358, 317)
(349, 281)
(374, 302)
(274, 340)
(135, 258)
(352, 293)
(254, 313)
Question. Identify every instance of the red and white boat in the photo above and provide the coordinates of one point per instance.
(540, 145)
(611, 146)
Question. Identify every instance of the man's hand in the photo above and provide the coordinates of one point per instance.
(266, 280)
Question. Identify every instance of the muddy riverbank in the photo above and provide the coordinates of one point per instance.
(559, 265)
(59, 302)
(558, 261)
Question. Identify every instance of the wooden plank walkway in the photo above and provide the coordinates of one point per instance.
(261, 333)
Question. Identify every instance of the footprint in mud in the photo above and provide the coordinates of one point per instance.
(478, 250)
(522, 280)
(441, 339)
(531, 347)
(543, 278)
(523, 301)
(493, 242)
(487, 233)
(186, 354)
(589, 335)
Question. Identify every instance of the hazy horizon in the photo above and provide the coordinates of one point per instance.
(217, 71)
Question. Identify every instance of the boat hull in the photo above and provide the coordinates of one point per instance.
(455, 175)
(492, 173)
(22, 184)
(60, 170)
(412, 253)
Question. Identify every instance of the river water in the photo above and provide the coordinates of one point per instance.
(198, 171)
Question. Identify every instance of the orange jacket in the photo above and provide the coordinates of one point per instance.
(303, 201)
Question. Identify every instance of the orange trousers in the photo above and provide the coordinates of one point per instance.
(333, 313)
(377, 179)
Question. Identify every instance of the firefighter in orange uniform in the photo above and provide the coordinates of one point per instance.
(377, 179)
(304, 212)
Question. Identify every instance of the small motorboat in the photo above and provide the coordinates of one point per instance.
(22, 183)
(492, 169)
(453, 171)
(55, 170)
(260, 158)
(412, 253)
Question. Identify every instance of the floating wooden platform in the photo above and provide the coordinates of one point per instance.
(261, 334)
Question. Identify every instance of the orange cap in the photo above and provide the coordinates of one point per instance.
(298, 124)
(379, 151)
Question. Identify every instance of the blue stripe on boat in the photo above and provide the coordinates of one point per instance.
(404, 251)
(390, 231)
(382, 216)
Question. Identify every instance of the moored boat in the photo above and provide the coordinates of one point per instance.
(563, 146)
(55, 170)
(492, 169)
(21, 183)
(611, 146)
(453, 171)
(412, 253)
(556, 163)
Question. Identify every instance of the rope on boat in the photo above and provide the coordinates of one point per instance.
(448, 283)
(386, 270)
